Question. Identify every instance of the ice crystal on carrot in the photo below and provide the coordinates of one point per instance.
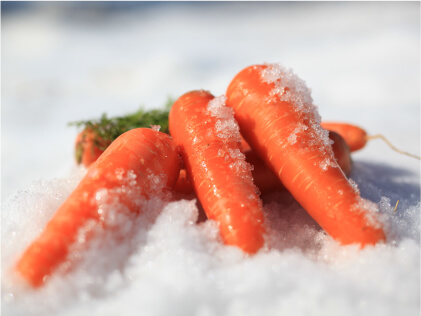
(226, 126)
(288, 87)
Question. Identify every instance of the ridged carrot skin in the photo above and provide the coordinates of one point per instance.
(277, 118)
(217, 169)
(138, 164)
(354, 136)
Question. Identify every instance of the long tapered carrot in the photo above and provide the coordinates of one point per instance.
(138, 164)
(278, 119)
(209, 141)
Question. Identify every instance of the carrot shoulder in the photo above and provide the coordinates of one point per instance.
(278, 119)
(138, 164)
(210, 145)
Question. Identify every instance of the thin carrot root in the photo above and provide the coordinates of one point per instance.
(380, 136)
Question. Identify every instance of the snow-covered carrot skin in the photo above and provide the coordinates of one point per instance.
(278, 119)
(210, 145)
(139, 164)
(354, 136)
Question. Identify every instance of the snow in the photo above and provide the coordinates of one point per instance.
(226, 126)
(61, 63)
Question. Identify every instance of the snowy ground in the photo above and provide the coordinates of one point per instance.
(72, 61)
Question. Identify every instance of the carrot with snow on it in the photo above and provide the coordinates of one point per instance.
(278, 119)
(139, 164)
(209, 140)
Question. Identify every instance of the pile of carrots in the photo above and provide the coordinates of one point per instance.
(264, 134)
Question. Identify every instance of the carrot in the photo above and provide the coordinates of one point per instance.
(98, 134)
(266, 180)
(278, 119)
(342, 152)
(138, 164)
(89, 147)
(210, 145)
(356, 137)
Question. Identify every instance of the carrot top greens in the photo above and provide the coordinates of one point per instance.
(108, 129)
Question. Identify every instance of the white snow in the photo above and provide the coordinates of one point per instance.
(226, 126)
(59, 64)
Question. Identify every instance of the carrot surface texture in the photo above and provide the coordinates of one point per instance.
(210, 144)
(277, 118)
(139, 164)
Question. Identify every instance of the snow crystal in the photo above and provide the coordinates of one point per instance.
(370, 211)
(164, 252)
(292, 139)
(328, 162)
(354, 185)
(288, 87)
(226, 126)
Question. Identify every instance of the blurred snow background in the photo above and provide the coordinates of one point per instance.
(69, 61)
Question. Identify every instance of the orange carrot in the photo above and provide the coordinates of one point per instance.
(266, 180)
(138, 164)
(354, 136)
(263, 177)
(278, 119)
(357, 138)
(209, 141)
(89, 147)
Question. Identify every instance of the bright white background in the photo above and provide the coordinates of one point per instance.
(70, 61)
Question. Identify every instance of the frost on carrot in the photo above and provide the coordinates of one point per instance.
(139, 164)
(210, 144)
(277, 118)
